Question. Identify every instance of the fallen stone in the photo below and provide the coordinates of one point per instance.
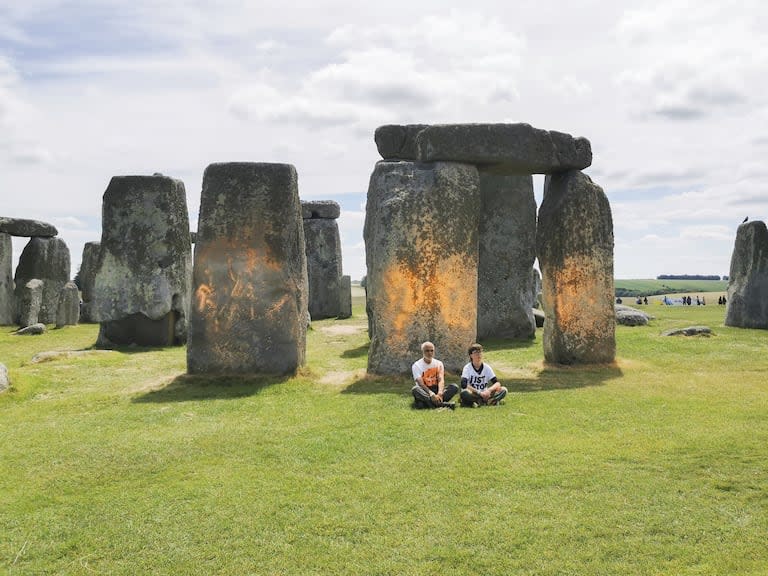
(30, 228)
(628, 316)
(689, 331)
(5, 381)
(34, 329)
(504, 148)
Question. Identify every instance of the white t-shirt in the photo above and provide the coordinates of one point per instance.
(430, 373)
(477, 379)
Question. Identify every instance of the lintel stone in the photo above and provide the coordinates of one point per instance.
(28, 228)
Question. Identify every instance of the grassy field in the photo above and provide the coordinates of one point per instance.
(653, 286)
(118, 463)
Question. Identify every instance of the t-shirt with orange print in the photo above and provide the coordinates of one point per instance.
(429, 373)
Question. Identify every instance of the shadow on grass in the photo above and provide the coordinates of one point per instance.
(358, 352)
(551, 377)
(203, 387)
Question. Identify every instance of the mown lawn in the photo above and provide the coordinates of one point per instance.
(117, 463)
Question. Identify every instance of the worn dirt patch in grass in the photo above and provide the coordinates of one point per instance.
(342, 329)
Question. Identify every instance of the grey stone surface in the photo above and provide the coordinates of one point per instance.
(503, 148)
(507, 230)
(421, 245)
(747, 293)
(142, 283)
(398, 142)
(628, 316)
(539, 316)
(249, 311)
(6, 280)
(88, 267)
(5, 381)
(345, 297)
(28, 301)
(31, 330)
(575, 250)
(536, 286)
(326, 209)
(323, 247)
(45, 259)
(705, 331)
(68, 313)
(24, 227)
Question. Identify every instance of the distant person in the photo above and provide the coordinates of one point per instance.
(645, 300)
(618, 300)
(430, 390)
(479, 385)
(689, 301)
(724, 301)
(703, 301)
(698, 302)
(639, 301)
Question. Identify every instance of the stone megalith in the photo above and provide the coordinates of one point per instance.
(24, 227)
(574, 241)
(747, 305)
(345, 297)
(323, 247)
(142, 282)
(6, 280)
(507, 251)
(69, 306)
(29, 300)
(249, 306)
(5, 381)
(421, 244)
(88, 267)
(45, 259)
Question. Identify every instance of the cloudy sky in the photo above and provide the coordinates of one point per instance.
(672, 94)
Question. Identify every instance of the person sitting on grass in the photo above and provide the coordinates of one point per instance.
(479, 383)
(430, 390)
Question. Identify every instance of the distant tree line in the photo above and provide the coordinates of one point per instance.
(688, 277)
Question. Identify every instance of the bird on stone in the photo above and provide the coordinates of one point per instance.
(745, 219)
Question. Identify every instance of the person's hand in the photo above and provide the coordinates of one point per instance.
(437, 399)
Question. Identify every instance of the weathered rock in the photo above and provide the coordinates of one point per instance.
(23, 227)
(421, 245)
(628, 316)
(748, 279)
(398, 142)
(507, 251)
(536, 286)
(705, 331)
(143, 277)
(5, 381)
(6, 280)
(68, 313)
(325, 209)
(31, 330)
(88, 267)
(323, 246)
(575, 248)
(249, 311)
(28, 300)
(504, 148)
(345, 297)
(539, 317)
(45, 259)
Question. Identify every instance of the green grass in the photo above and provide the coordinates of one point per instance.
(118, 463)
(650, 286)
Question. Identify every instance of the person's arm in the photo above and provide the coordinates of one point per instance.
(441, 382)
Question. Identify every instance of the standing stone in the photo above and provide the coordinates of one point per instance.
(249, 310)
(575, 250)
(6, 280)
(45, 259)
(345, 297)
(29, 299)
(88, 267)
(421, 244)
(748, 278)
(323, 247)
(507, 251)
(69, 306)
(143, 276)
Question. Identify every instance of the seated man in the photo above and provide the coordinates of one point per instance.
(430, 390)
(479, 383)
